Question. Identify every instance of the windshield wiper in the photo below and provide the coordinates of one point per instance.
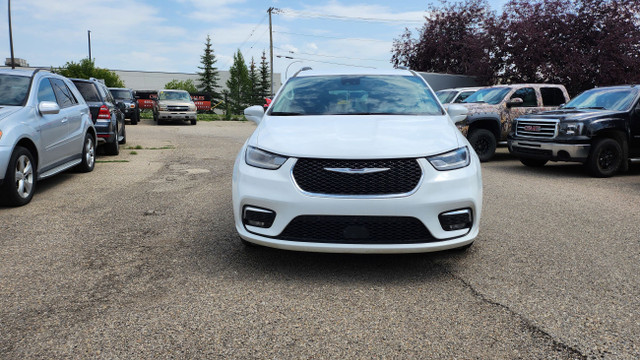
(285, 113)
(594, 107)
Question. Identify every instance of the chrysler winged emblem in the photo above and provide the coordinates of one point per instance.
(357, 171)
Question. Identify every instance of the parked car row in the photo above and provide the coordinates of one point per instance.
(599, 128)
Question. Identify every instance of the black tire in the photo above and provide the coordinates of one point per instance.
(19, 191)
(484, 143)
(88, 154)
(155, 116)
(605, 158)
(112, 148)
(193, 121)
(533, 162)
(160, 122)
(135, 117)
(124, 135)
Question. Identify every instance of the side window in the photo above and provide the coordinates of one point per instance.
(463, 95)
(106, 94)
(528, 96)
(552, 96)
(63, 94)
(45, 91)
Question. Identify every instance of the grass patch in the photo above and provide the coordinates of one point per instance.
(111, 161)
(139, 147)
(134, 153)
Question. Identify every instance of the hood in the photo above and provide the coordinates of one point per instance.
(476, 108)
(574, 114)
(175, 102)
(356, 136)
(5, 111)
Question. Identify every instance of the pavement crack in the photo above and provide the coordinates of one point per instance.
(571, 352)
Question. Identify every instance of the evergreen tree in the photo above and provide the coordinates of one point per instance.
(239, 84)
(265, 75)
(209, 76)
(255, 94)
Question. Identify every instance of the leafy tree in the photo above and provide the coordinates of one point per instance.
(86, 69)
(187, 85)
(578, 43)
(453, 40)
(209, 76)
(265, 74)
(255, 96)
(239, 85)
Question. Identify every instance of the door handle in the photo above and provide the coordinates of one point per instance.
(64, 120)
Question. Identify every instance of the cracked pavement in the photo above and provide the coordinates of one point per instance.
(139, 259)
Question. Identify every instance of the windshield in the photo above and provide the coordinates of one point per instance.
(174, 95)
(604, 99)
(355, 95)
(13, 89)
(491, 96)
(445, 97)
(121, 94)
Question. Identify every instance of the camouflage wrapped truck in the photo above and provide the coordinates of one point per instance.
(492, 109)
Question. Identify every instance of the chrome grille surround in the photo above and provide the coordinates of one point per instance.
(537, 128)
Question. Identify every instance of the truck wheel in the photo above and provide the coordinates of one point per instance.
(484, 143)
(155, 116)
(533, 162)
(605, 158)
(20, 182)
(135, 117)
(193, 121)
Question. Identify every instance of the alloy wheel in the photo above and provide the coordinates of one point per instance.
(24, 176)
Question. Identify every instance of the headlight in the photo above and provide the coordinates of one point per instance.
(263, 159)
(192, 107)
(162, 107)
(452, 160)
(571, 128)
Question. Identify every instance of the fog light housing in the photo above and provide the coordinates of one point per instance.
(456, 219)
(258, 217)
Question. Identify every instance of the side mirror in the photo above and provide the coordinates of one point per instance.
(457, 113)
(515, 102)
(48, 108)
(254, 113)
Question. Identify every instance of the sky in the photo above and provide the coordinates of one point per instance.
(170, 35)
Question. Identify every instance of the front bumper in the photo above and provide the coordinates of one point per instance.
(177, 115)
(438, 192)
(549, 150)
(5, 157)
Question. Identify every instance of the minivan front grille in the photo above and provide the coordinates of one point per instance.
(357, 177)
(537, 128)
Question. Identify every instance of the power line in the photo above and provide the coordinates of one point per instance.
(330, 37)
(308, 14)
(324, 62)
(330, 56)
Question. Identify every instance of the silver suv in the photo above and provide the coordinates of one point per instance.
(45, 128)
(174, 105)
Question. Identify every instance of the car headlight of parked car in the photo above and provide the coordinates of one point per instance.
(263, 159)
(192, 107)
(451, 160)
(162, 107)
(571, 128)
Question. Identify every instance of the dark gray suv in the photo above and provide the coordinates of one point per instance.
(129, 100)
(107, 115)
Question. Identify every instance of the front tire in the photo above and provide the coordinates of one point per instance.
(533, 162)
(605, 158)
(20, 182)
(193, 122)
(135, 117)
(88, 154)
(124, 135)
(484, 143)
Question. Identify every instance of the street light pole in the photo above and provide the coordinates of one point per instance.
(287, 69)
(13, 61)
(89, 38)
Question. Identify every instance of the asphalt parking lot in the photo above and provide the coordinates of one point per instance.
(139, 259)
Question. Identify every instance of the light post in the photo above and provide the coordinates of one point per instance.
(89, 39)
(13, 62)
(293, 62)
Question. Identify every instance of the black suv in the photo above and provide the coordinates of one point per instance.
(128, 98)
(106, 113)
(599, 128)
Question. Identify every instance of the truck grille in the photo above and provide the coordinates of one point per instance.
(177, 108)
(537, 128)
(400, 176)
(357, 230)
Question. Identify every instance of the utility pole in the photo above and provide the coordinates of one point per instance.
(89, 38)
(271, 46)
(13, 61)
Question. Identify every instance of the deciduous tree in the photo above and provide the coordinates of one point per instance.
(86, 69)
(187, 85)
